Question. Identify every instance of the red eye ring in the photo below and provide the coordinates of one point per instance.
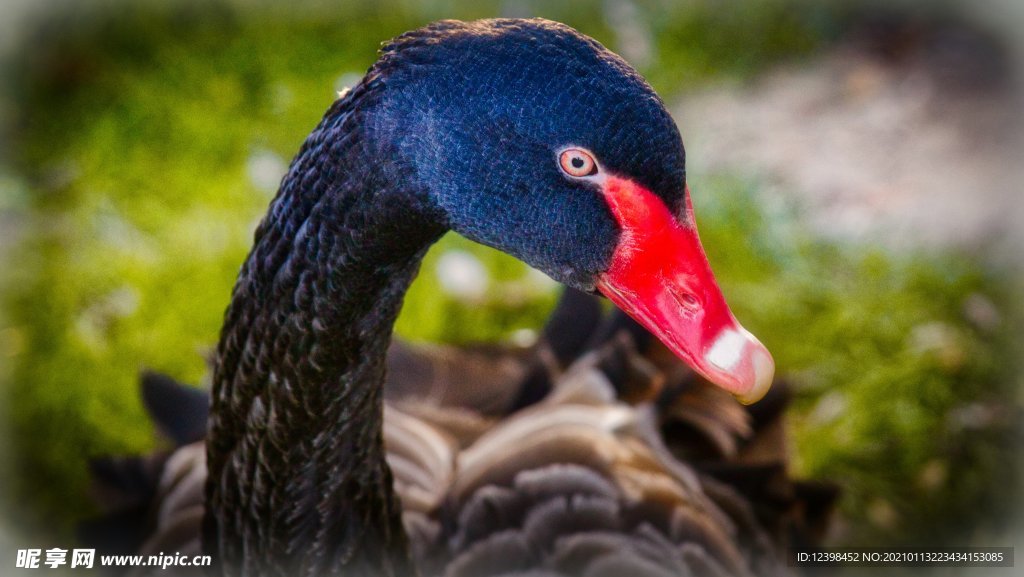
(577, 163)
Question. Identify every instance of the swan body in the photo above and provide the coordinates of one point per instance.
(580, 482)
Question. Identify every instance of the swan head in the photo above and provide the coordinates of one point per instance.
(532, 138)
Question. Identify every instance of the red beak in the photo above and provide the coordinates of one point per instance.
(660, 276)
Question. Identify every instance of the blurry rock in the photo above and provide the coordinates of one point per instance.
(941, 340)
(633, 38)
(462, 275)
(933, 475)
(265, 170)
(882, 514)
(829, 408)
(982, 416)
(980, 311)
(524, 337)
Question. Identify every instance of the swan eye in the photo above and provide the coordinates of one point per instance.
(577, 163)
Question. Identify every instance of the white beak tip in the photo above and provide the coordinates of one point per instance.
(764, 375)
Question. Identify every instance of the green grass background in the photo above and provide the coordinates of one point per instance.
(136, 135)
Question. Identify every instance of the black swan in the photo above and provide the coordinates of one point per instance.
(529, 137)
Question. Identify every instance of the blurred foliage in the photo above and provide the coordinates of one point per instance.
(150, 138)
(906, 369)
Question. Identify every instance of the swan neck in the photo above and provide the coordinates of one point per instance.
(298, 482)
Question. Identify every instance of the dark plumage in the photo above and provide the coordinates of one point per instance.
(478, 501)
(458, 126)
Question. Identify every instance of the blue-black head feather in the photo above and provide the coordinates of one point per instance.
(476, 113)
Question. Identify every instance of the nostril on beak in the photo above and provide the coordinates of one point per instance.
(687, 300)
